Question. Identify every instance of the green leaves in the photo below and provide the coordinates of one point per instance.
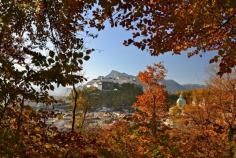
(51, 87)
(86, 57)
(80, 55)
(80, 61)
(50, 61)
(51, 54)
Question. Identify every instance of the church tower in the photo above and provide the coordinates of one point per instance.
(181, 102)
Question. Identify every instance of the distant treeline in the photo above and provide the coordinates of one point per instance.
(123, 96)
(120, 96)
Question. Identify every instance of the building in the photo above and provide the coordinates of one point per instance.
(181, 102)
(111, 81)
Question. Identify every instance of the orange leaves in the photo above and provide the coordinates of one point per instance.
(168, 26)
(147, 100)
(206, 127)
(143, 129)
(152, 104)
(140, 137)
(153, 74)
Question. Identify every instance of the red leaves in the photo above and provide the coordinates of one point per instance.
(152, 104)
(152, 75)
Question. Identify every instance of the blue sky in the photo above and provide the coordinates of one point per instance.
(110, 55)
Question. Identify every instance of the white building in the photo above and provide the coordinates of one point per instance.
(181, 102)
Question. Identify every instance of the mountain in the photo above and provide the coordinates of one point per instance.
(193, 86)
(172, 86)
(120, 78)
(114, 77)
(114, 74)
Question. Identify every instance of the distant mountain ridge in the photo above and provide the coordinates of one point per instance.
(173, 86)
(115, 77)
(120, 78)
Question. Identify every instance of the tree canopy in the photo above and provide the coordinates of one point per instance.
(42, 45)
(45, 38)
(195, 26)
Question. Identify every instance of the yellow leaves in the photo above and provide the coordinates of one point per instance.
(47, 146)
(37, 129)
(37, 139)
(175, 111)
(180, 47)
(231, 11)
(207, 127)
(133, 136)
(60, 117)
(154, 1)
(23, 6)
